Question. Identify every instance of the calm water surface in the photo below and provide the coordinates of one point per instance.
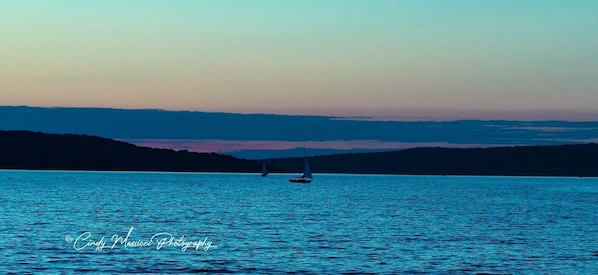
(103, 222)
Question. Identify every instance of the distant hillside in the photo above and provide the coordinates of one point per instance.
(562, 160)
(297, 152)
(34, 150)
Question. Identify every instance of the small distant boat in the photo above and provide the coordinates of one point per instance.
(306, 177)
(264, 170)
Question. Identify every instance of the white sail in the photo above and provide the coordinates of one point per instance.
(306, 170)
(306, 177)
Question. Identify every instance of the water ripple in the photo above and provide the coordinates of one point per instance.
(339, 224)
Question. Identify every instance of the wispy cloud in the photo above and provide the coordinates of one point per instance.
(570, 140)
(548, 129)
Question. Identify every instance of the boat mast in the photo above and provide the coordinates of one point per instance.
(306, 169)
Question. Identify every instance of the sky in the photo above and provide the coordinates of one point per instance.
(405, 60)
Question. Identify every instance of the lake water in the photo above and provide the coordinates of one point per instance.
(126, 222)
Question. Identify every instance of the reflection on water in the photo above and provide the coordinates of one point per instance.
(109, 222)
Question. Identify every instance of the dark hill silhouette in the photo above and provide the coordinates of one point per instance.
(562, 160)
(35, 150)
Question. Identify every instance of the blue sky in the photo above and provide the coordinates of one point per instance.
(441, 60)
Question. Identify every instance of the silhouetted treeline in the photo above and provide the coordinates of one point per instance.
(34, 150)
(561, 160)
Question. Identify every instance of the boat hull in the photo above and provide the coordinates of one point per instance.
(300, 180)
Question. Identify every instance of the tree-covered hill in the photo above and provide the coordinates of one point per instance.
(559, 160)
(35, 150)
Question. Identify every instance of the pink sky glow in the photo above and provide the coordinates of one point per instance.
(227, 146)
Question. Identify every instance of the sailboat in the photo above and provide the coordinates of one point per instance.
(264, 170)
(306, 177)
